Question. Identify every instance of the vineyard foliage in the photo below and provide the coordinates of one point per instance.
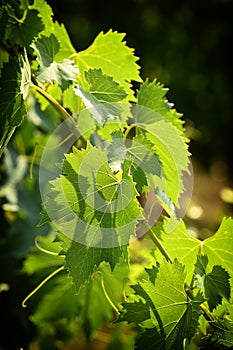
(115, 150)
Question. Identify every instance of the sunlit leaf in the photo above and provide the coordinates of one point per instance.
(111, 54)
(170, 310)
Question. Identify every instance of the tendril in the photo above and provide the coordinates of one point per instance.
(44, 250)
(105, 292)
(61, 268)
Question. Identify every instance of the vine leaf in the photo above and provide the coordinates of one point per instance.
(45, 13)
(90, 206)
(153, 95)
(222, 333)
(141, 157)
(20, 31)
(50, 27)
(171, 312)
(101, 112)
(26, 76)
(170, 147)
(47, 48)
(12, 107)
(219, 247)
(64, 73)
(179, 244)
(82, 260)
(215, 284)
(111, 54)
(103, 87)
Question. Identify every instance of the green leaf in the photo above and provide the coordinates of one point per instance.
(26, 76)
(50, 27)
(170, 147)
(152, 95)
(12, 108)
(101, 112)
(179, 244)
(81, 261)
(217, 286)
(219, 247)
(222, 334)
(3, 21)
(171, 311)
(45, 13)
(103, 87)
(89, 204)
(58, 301)
(200, 270)
(141, 157)
(47, 48)
(21, 31)
(64, 73)
(115, 59)
(4, 57)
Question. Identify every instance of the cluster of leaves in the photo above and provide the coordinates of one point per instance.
(128, 146)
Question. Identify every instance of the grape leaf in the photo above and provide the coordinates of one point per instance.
(222, 334)
(66, 47)
(91, 206)
(152, 95)
(26, 76)
(172, 312)
(81, 269)
(3, 21)
(103, 87)
(50, 27)
(142, 159)
(219, 247)
(4, 57)
(57, 302)
(21, 31)
(109, 53)
(64, 73)
(179, 244)
(200, 270)
(217, 286)
(101, 112)
(12, 108)
(45, 13)
(170, 147)
(47, 48)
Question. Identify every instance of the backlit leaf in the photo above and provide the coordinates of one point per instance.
(171, 311)
(111, 54)
(103, 87)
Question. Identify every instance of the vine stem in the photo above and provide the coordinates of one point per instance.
(206, 313)
(52, 100)
(41, 284)
(60, 109)
(159, 246)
